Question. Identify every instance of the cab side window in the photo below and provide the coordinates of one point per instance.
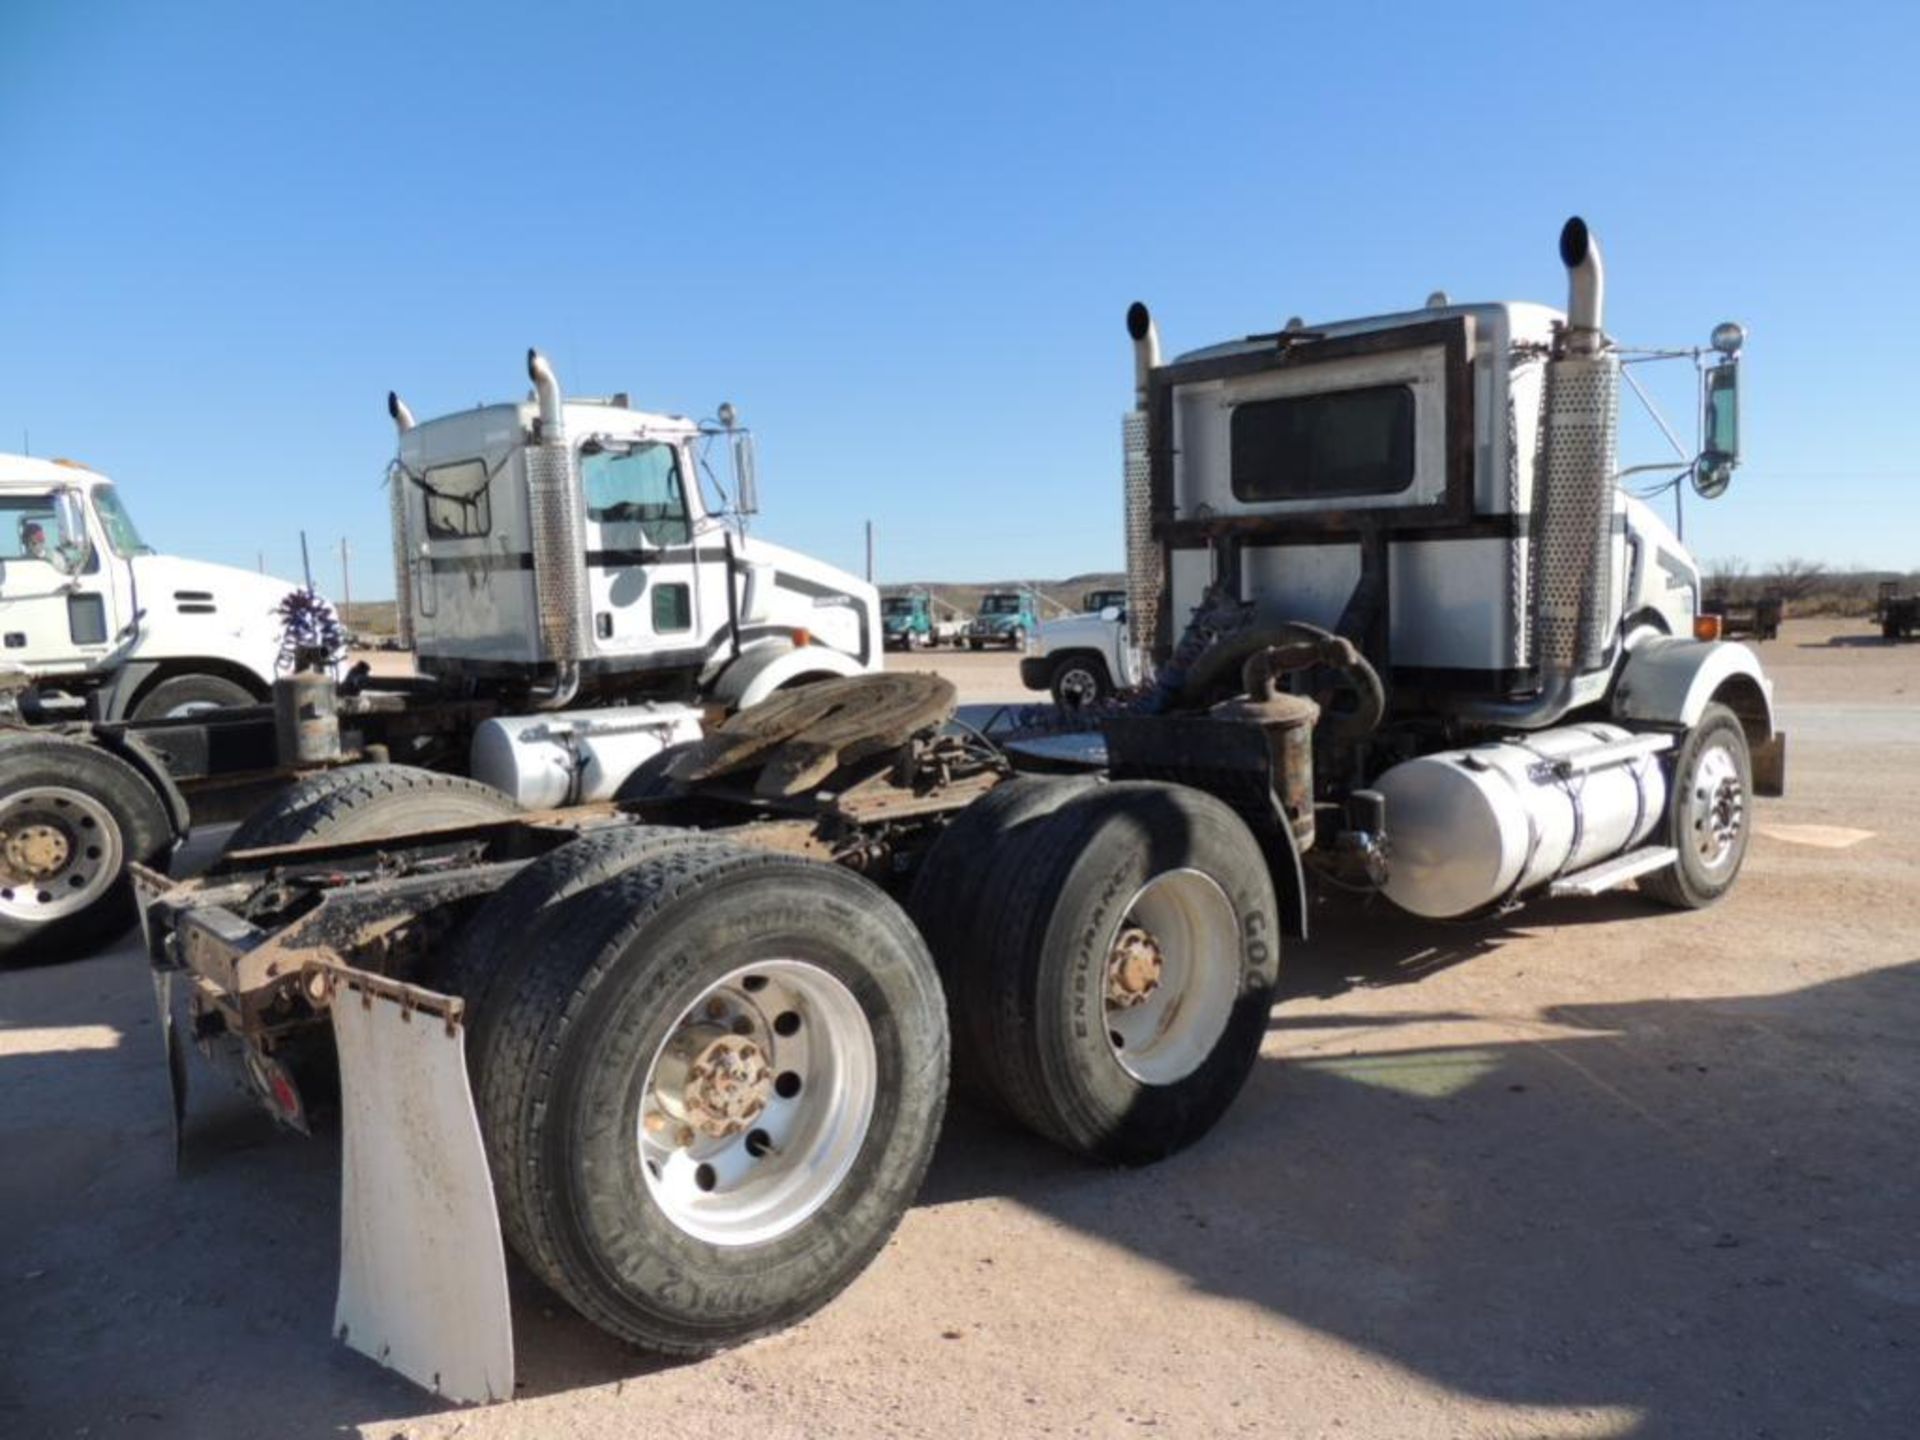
(638, 485)
(29, 529)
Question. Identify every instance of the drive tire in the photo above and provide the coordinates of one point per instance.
(75, 798)
(372, 802)
(1712, 771)
(948, 902)
(189, 694)
(580, 1045)
(489, 957)
(1041, 1004)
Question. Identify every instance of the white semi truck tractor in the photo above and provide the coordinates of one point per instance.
(685, 1051)
(577, 586)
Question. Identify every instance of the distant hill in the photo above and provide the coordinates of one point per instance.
(1064, 594)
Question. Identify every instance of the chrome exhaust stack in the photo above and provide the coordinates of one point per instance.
(1570, 624)
(559, 559)
(1145, 567)
(397, 525)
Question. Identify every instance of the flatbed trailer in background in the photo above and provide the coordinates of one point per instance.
(1898, 613)
(1758, 617)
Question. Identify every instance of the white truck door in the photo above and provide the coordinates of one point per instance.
(643, 577)
(56, 601)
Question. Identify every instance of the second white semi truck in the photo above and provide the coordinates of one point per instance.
(575, 580)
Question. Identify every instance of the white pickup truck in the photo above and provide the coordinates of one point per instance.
(1082, 659)
(89, 613)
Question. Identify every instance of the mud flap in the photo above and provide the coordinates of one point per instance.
(423, 1276)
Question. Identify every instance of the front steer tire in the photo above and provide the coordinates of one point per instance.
(1714, 757)
(573, 1069)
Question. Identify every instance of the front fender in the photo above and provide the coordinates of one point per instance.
(1670, 681)
(760, 672)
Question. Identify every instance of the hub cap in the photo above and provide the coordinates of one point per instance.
(60, 850)
(758, 1102)
(1078, 688)
(1173, 972)
(1716, 807)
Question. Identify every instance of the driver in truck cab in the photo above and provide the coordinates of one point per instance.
(33, 540)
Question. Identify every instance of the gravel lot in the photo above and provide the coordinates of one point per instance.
(1598, 1171)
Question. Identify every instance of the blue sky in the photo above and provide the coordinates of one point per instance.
(901, 238)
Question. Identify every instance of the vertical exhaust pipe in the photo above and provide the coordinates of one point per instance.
(1145, 568)
(397, 526)
(1570, 618)
(559, 561)
(1586, 288)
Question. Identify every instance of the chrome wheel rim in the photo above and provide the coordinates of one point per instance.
(60, 850)
(757, 1103)
(1173, 973)
(1716, 807)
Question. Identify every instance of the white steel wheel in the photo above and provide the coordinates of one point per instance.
(757, 1103)
(1173, 974)
(1716, 807)
(60, 851)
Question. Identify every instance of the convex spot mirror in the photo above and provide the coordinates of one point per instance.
(1713, 471)
(71, 549)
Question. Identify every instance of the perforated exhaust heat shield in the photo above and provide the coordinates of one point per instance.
(559, 562)
(1572, 560)
(1145, 570)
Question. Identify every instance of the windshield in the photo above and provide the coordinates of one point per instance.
(1000, 605)
(118, 524)
(898, 605)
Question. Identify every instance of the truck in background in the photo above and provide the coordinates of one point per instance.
(102, 625)
(911, 621)
(1005, 617)
(576, 602)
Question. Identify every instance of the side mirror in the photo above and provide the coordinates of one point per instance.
(746, 482)
(72, 548)
(1110, 613)
(1713, 471)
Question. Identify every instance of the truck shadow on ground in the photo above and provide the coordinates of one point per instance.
(1679, 1209)
(1694, 1210)
(1849, 642)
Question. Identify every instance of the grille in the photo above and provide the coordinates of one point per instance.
(559, 565)
(1572, 580)
(1144, 568)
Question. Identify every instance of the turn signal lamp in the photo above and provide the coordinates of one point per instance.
(1706, 627)
(802, 638)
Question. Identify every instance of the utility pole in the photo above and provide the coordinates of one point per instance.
(869, 552)
(346, 584)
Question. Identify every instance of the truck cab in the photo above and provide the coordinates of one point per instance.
(1005, 617)
(907, 621)
(100, 623)
(561, 549)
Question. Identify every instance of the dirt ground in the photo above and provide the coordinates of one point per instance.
(1597, 1171)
